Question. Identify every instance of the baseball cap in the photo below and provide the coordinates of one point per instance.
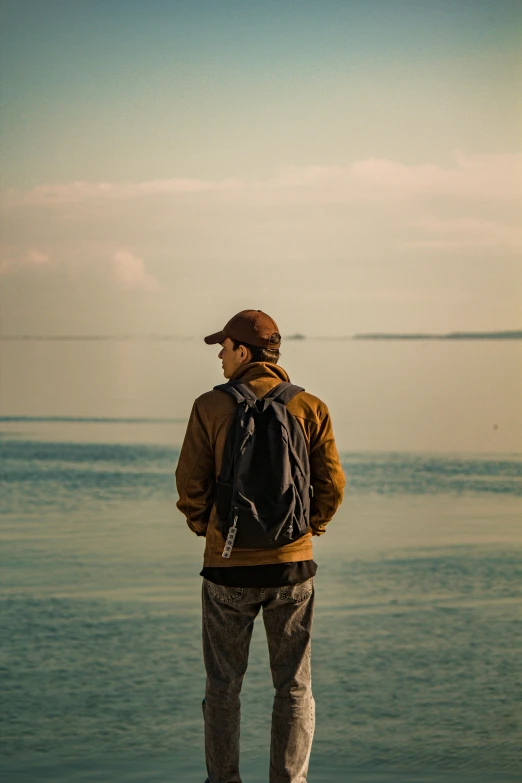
(250, 326)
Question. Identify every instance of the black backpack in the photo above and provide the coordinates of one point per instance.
(263, 490)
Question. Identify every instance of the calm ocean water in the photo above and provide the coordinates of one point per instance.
(417, 670)
(417, 636)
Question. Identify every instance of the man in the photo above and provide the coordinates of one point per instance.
(280, 581)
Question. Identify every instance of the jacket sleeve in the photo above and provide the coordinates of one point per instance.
(195, 474)
(327, 476)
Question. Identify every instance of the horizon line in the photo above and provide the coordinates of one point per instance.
(94, 419)
(461, 334)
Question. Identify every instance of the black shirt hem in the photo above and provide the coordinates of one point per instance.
(271, 575)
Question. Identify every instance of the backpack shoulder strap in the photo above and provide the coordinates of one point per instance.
(239, 391)
(283, 392)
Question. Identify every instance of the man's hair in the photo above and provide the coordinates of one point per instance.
(259, 354)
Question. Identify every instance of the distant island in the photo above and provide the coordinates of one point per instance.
(507, 335)
(516, 335)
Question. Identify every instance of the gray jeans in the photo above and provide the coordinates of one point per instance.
(228, 621)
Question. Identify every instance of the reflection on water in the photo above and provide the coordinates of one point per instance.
(416, 639)
(426, 396)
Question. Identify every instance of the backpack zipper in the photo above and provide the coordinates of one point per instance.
(231, 536)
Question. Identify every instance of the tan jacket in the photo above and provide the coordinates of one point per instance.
(200, 463)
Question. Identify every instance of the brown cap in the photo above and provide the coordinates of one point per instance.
(250, 326)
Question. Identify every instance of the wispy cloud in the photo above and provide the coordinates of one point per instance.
(372, 231)
(129, 270)
(473, 202)
(487, 175)
(37, 257)
(30, 258)
(83, 191)
(125, 268)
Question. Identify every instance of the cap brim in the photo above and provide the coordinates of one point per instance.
(213, 339)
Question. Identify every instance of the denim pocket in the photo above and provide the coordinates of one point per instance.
(222, 593)
(299, 592)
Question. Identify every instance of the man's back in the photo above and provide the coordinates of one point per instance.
(200, 463)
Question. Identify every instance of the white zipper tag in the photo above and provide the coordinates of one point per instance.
(227, 551)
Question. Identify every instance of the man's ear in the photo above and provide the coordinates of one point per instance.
(245, 354)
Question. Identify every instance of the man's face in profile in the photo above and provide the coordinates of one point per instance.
(232, 359)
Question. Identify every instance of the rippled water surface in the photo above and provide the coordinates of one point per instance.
(417, 636)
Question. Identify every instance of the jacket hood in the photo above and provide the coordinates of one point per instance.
(254, 370)
(261, 377)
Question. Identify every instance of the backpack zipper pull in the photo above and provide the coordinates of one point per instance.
(231, 536)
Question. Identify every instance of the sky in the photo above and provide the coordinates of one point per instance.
(345, 166)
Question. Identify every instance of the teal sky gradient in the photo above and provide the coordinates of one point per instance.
(143, 90)
(345, 166)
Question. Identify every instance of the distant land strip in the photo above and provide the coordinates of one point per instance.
(515, 335)
(93, 419)
(506, 335)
